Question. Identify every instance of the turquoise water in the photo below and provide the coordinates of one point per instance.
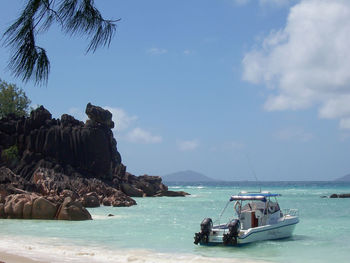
(162, 229)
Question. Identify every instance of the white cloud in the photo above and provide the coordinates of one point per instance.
(307, 63)
(294, 134)
(121, 118)
(187, 52)
(344, 124)
(188, 145)
(139, 135)
(157, 51)
(123, 123)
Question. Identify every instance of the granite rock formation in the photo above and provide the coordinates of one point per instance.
(339, 196)
(65, 145)
(55, 159)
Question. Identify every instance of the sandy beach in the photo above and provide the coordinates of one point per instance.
(10, 258)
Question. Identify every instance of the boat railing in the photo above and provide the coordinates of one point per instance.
(290, 212)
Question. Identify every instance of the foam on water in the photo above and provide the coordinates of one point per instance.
(53, 250)
(162, 229)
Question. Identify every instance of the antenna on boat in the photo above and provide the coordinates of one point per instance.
(253, 172)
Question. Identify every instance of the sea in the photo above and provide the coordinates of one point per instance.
(161, 229)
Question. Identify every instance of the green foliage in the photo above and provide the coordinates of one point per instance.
(13, 100)
(10, 155)
(76, 17)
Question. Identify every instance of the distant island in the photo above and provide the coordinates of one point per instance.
(187, 176)
(345, 178)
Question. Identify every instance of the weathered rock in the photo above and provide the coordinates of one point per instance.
(39, 117)
(150, 185)
(172, 193)
(107, 201)
(67, 145)
(118, 199)
(43, 209)
(65, 158)
(131, 190)
(2, 211)
(340, 196)
(72, 210)
(14, 205)
(91, 200)
(27, 210)
(98, 115)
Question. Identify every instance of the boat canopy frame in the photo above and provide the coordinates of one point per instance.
(260, 196)
(249, 196)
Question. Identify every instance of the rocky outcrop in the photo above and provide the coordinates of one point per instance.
(72, 210)
(45, 161)
(89, 191)
(172, 193)
(145, 185)
(32, 206)
(339, 196)
(99, 116)
(65, 145)
(91, 200)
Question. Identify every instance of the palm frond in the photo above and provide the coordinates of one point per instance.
(77, 17)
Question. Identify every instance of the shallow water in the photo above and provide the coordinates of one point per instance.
(162, 229)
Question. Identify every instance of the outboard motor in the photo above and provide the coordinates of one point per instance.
(231, 237)
(203, 236)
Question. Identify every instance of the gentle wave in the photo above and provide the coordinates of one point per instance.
(52, 250)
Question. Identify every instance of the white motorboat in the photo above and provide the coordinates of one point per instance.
(259, 217)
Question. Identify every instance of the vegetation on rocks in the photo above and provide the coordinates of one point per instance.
(66, 158)
(13, 100)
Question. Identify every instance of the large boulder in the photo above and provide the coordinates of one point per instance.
(172, 193)
(14, 203)
(2, 211)
(91, 200)
(118, 199)
(131, 190)
(43, 209)
(72, 210)
(150, 185)
(339, 196)
(97, 115)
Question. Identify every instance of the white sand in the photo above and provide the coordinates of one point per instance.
(10, 258)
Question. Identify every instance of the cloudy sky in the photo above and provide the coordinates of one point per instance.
(209, 84)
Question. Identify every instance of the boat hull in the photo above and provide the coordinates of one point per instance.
(282, 229)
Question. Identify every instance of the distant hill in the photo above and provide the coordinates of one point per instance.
(186, 176)
(345, 178)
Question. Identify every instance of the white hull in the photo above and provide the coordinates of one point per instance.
(258, 218)
(282, 229)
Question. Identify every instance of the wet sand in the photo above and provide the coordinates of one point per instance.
(10, 258)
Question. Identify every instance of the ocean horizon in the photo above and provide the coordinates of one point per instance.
(161, 229)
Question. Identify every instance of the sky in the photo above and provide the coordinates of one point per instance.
(221, 87)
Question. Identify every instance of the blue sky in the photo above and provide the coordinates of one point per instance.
(207, 84)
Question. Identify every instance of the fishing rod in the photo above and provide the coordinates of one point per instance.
(253, 172)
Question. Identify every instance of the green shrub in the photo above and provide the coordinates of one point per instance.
(10, 155)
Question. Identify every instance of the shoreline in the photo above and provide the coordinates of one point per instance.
(6, 257)
(122, 256)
